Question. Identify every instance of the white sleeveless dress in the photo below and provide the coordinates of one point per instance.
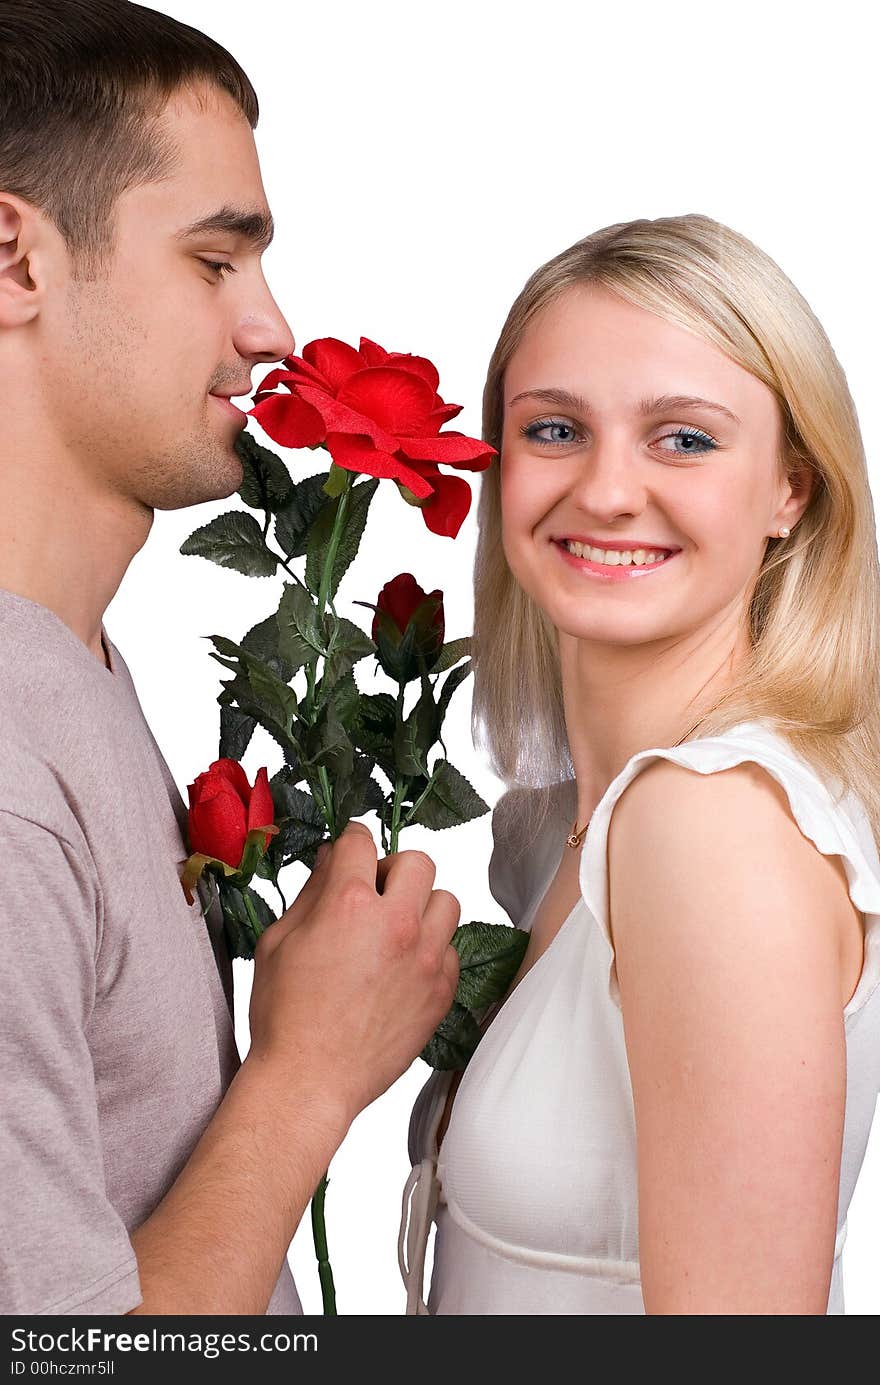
(535, 1191)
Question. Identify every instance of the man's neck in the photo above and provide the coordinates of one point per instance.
(64, 543)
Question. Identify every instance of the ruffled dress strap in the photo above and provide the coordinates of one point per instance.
(835, 822)
(422, 1189)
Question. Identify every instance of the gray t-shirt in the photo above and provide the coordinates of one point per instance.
(116, 1037)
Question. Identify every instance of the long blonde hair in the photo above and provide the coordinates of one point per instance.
(813, 673)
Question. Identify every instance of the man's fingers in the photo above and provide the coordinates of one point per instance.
(354, 853)
(451, 968)
(407, 875)
(442, 914)
(350, 853)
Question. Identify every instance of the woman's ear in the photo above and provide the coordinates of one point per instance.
(19, 294)
(800, 480)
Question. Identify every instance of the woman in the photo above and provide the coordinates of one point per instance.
(669, 1110)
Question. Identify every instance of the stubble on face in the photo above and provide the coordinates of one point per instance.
(145, 344)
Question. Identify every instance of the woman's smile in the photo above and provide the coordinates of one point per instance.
(612, 564)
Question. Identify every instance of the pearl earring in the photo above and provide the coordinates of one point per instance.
(784, 533)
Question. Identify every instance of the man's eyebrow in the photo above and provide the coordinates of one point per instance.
(255, 226)
(646, 408)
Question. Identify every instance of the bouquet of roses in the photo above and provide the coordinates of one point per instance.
(379, 416)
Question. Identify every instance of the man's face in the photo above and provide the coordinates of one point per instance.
(131, 359)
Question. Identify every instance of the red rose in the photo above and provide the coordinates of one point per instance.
(401, 599)
(408, 623)
(376, 412)
(223, 809)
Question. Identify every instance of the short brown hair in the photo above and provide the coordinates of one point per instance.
(82, 86)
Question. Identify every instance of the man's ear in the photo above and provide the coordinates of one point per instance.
(20, 295)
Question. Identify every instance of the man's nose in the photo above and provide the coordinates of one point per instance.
(263, 334)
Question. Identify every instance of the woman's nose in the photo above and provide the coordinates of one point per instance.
(608, 479)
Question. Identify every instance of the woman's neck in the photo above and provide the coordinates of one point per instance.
(622, 699)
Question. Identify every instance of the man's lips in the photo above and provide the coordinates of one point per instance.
(227, 405)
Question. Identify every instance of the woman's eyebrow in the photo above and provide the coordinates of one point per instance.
(646, 408)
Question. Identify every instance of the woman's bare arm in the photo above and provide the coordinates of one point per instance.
(725, 921)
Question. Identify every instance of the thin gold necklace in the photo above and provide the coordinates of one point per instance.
(575, 837)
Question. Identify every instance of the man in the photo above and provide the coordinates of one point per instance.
(146, 1171)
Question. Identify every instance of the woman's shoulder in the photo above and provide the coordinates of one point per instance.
(772, 794)
(767, 758)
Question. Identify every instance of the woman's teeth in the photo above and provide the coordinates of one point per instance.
(616, 556)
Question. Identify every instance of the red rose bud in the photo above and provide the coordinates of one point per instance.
(224, 809)
(408, 622)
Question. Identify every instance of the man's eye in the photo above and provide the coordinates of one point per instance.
(220, 267)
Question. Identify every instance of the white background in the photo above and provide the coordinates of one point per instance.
(421, 161)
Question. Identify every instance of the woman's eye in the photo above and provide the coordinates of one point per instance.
(220, 267)
(560, 433)
(693, 442)
(556, 432)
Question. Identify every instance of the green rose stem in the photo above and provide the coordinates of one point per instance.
(419, 801)
(319, 1234)
(326, 575)
(400, 784)
(319, 1229)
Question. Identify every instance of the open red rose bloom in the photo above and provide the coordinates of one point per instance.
(376, 412)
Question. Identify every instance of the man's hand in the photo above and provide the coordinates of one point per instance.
(349, 984)
(353, 979)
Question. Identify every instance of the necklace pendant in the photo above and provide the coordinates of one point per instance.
(573, 839)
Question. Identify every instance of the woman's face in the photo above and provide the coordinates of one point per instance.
(600, 447)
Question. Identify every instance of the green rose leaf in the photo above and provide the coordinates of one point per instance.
(489, 956)
(271, 693)
(373, 729)
(267, 483)
(292, 523)
(292, 803)
(233, 540)
(453, 1042)
(358, 499)
(349, 645)
(414, 737)
(238, 935)
(362, 794)
(274, 699)
(450, 800)
(451, 653)
(457, 676)
(300, 636)
(326, 743)
(239, 691)
(237, 925)
(236, 730)
(345, 694)
(299, 819)
(262, 641)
